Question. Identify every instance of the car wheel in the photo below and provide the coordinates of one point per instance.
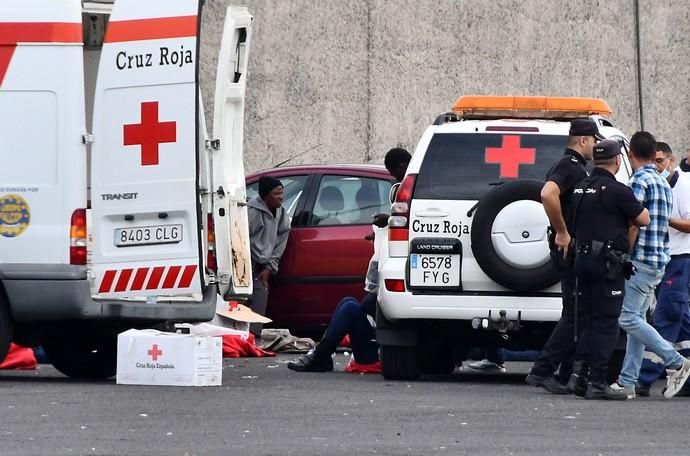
(400, 363)
(6, 327)
(509, 237)
(82, 353)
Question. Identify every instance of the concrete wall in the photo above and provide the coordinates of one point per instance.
(356, 78)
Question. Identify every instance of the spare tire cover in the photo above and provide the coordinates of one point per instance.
(509, 237)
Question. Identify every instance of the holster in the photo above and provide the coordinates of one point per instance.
(618, 264)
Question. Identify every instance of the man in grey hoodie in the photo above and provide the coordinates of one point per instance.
(269, 227)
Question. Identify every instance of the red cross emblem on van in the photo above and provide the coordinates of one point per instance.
(510, 156)
(150, 133)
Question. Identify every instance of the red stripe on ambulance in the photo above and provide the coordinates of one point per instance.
(155, 278)
(158, 28)
(139, 279)
(107, 281)
(187, 276)
(12, 33)
(170, 278)
(123, 280)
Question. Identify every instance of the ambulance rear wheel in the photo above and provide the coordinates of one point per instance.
(6, 327)
(87, 356)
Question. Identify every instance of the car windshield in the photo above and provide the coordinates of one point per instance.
(467, 165)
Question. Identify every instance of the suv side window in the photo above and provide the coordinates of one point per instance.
(293, 187)
(349, 200)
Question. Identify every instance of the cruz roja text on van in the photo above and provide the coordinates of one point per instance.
(166, 57)
(458, 229)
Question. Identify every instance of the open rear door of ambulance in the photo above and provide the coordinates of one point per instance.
(230, 200)
(145, 200)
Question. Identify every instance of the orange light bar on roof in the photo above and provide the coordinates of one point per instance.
(492, 107)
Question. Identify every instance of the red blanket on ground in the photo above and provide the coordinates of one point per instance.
(353, 367)
(19, 358)
(237, 347)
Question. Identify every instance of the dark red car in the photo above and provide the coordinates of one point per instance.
(326, 256)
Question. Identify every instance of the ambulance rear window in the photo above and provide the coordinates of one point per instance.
(466, 165)
(28, 138)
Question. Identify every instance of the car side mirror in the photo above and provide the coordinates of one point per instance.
(393, 192)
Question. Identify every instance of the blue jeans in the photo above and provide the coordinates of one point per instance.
(671, 317)
(639, 292)
(350, 318)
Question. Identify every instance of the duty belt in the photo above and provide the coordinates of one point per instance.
(593, 247)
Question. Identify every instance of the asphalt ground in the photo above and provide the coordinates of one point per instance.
(265, 409)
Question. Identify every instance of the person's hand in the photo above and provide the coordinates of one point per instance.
(264, 276)
(562, 242)
(369, 237)
(380, 220)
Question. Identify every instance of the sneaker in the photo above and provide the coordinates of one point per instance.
(676, 378)
(487, 366)
(642, 390)
(629, 391)
(549, 383)
(609, 393)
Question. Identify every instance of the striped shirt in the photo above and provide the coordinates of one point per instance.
(650, 189)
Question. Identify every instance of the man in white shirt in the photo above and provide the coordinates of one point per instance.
(671, 316)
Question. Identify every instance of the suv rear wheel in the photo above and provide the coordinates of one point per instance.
(82, 352)
(6, 327)
(400, 363)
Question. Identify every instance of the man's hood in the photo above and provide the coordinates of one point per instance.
(258, 203)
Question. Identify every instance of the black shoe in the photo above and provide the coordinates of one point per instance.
(577, 385)
(312, 363)
(549, 383)
(604, 391)
(643, 390)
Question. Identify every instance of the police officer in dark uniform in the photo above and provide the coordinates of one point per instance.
(604, 210)
(556, 196)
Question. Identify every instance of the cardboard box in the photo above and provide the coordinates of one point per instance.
(150, 357)
(232, 314)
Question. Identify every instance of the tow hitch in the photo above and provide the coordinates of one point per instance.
(499, 323)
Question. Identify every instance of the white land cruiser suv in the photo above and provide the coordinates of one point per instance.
(468, 260)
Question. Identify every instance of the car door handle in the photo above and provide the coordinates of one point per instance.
(431, 214)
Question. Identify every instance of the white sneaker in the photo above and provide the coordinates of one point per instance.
(629, 391)
(487, 366)
(676, 378)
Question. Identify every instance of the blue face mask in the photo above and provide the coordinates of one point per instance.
(665, 173)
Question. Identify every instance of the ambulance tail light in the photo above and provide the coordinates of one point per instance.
(559, 108)
(399, 221)
(77, 238)
(211, 262)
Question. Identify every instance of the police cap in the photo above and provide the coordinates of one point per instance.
(606, 149)
(584, 127)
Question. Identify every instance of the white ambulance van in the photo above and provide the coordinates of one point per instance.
(110, 188)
